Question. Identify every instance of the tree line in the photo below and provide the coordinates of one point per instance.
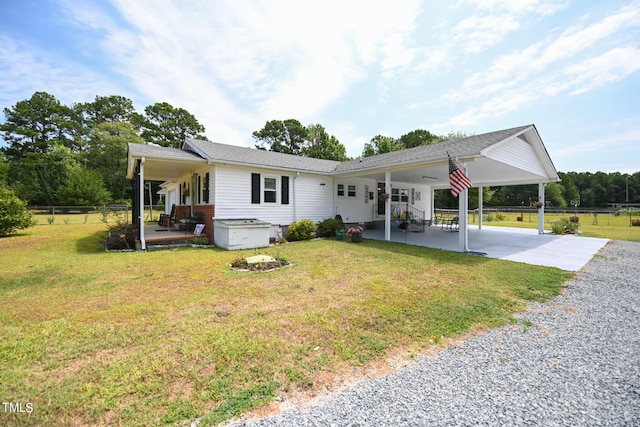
(77, 155)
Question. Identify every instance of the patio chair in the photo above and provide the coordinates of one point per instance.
(168, 220)
(452, 224)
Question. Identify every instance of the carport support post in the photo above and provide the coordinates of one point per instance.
(463, 221)
(479, 208)
(387, 207)
(541, 208)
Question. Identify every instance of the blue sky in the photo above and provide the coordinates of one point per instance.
(359, 68)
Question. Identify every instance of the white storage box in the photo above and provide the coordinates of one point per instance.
(235, 234)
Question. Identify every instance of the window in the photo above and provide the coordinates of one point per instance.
(351, 190)
(340, 189)
(400, 195)
(270, 190)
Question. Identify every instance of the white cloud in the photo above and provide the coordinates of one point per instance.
(26, 69)
(575, 61)
(240, 63)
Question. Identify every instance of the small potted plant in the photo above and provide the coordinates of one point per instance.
(340, 235)
(355, 233)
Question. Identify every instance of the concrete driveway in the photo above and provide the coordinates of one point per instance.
(566, 252)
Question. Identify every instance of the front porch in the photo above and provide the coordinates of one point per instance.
(159, 237)
(566, 252)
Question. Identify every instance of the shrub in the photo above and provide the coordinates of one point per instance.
(329, 227)
(574, 218)
(501, 216)
(13, 213)
(121, 236)
(635, 222)
(304, 229)
(564, 225)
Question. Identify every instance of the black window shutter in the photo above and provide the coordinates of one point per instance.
(205, 192)
(285, 190)
(255, 188)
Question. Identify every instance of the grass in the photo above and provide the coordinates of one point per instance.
(606, 226)
(90, 337)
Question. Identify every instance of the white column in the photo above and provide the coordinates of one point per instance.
(387, 206)
(463, 218)
(479, 208)
(541, 208)
(143, 244)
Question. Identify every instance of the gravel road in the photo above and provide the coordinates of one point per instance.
(572, 362)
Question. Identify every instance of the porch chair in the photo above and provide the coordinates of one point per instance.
(452, 224)
(168, 220)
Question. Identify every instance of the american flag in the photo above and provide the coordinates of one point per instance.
(457, 179)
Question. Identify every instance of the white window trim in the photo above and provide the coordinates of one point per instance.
(276, 190)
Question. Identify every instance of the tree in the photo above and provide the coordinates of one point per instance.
(418, 137)
(4, 171)
(284, 136)
(106, 153)
(322, 146)
(111, 109)
(51, 170)
(13, 213)
(553, 194)
(166, 125)
(37, 124)
(83, 187)
(380, 144)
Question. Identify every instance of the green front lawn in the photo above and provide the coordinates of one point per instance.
(90, 337)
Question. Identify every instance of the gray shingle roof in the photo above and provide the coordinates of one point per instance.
(456, 147)
(141, 150)
(195, 149)
(225, 153)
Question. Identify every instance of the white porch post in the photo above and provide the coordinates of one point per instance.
(463, 218)
(541, 208)
(479, 208)
(143, 244)
(387, 207)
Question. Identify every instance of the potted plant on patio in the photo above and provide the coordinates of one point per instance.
(355, 233)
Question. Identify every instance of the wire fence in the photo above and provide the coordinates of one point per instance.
(90, 214)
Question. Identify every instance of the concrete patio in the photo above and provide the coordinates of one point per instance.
(566, 252)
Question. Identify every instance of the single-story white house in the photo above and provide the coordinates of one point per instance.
(228, 182)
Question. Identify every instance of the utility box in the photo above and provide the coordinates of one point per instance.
(233, 234)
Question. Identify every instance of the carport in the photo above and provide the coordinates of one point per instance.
(515, 156)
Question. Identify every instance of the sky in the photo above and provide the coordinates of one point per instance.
(359, 68)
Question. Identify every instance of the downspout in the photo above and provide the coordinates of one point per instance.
(143, 244)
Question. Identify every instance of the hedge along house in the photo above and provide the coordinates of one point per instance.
(228, 182)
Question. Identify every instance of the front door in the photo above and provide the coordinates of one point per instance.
(381, 203)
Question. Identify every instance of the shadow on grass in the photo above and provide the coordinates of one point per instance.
(92, 243)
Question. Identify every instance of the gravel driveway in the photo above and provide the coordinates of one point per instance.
(574, 361)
